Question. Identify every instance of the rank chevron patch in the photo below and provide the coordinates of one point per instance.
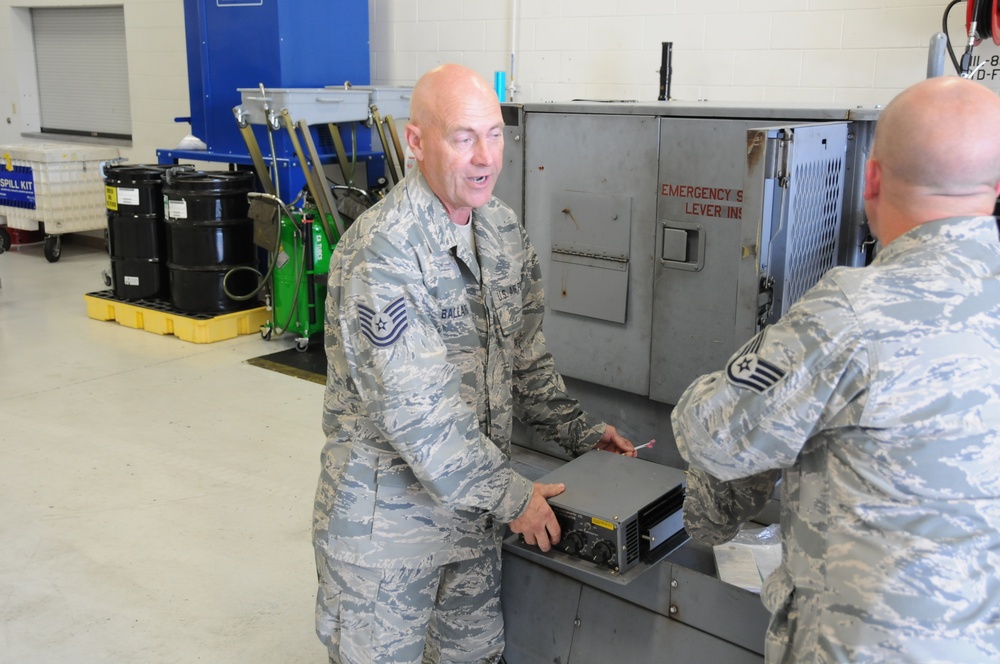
(383, 327)
(748, 370)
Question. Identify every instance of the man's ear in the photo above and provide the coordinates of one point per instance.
(873, 179)
(413, 140)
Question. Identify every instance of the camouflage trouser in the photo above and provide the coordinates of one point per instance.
(408, 616)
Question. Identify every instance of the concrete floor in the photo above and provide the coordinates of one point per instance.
(155, 494)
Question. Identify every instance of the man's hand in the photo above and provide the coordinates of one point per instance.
(538, 523)
(612, 441)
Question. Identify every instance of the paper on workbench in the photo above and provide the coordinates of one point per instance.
(749, 558)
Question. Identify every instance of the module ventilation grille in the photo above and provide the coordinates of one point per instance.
(632, 542)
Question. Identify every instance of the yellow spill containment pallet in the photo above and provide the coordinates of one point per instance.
(160, 318)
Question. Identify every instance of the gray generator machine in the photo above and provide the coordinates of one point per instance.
(669, 233)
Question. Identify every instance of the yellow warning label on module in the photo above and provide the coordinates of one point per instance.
(111, 198)
(602, 523)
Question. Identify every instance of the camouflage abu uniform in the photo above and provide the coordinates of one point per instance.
(432, 352)
(878, 393)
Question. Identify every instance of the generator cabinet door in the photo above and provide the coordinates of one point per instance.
(748, 219)
(795, 213)
(589, 209)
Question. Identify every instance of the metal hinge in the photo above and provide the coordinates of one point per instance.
(584, 254)
(778, 149)
(765, 300)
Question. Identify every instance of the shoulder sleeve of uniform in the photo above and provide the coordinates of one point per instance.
(777, 391)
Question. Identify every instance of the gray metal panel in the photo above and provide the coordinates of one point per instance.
(602, 156)
(510, 186)
(639, 637)
(700, 190)
(760, 111)
(650, 592)
(697, 600)
(644, 585)
(625, 624)
(761, 197)
(539, 608)
(637, 418)
(856, 242)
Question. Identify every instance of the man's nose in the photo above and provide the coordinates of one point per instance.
(482, 153)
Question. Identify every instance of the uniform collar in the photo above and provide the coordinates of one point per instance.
(437, 225)
(981, 230)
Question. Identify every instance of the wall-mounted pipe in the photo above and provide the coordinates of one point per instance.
(666, 69)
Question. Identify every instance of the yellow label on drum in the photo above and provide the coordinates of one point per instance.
(111, 198)
(602, 523)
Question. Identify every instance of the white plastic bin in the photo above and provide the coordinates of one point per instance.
(58, 185)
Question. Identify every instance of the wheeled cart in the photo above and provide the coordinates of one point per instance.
(53, 187)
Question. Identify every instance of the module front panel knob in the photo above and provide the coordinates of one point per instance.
(573, 542)
(603, 552)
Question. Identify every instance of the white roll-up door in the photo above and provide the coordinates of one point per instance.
(82, 71)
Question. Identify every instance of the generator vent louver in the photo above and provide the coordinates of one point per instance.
(815, 223)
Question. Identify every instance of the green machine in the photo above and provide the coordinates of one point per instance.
(299, 243)
(301, 263)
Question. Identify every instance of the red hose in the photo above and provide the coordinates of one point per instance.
(996, 23)
(987, 23)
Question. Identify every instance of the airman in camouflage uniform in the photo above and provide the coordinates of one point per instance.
(434, 345)
(878, 397)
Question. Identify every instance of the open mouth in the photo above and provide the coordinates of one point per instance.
(479, 180)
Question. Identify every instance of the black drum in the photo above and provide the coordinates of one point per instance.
(208, 235)
(136, 235)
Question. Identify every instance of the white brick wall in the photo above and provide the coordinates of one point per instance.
(828, 51)
(831, 51)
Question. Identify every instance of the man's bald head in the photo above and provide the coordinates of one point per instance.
(456, 136)
(936, 154)
(942, 134)
(445, 87)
